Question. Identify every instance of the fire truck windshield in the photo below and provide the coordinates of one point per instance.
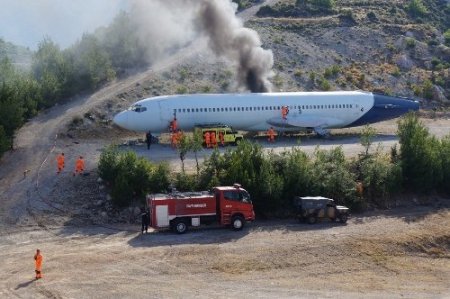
(245, 197)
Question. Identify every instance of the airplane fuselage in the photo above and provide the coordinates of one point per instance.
(260, 111)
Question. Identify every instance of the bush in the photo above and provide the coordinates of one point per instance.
(447, 37)
(420, 155)
(380, 177)
(131, 178)
(416, 8)
(331, 177)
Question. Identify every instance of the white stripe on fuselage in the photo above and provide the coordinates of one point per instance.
(238, 110)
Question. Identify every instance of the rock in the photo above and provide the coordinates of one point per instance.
(439, 95)
(98, 202)
(108, 197)
(409, 34)
(104, 214)
(99, 180)
(101, 187)
(404, 62)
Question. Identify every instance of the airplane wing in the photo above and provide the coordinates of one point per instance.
(302, 121)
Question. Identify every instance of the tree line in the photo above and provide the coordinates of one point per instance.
(420, 165)
(56, 75)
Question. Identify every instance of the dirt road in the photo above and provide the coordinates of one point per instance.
(398, 255)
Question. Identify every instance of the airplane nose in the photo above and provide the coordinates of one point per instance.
(121, 119)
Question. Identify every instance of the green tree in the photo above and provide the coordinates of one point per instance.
(196, 145)
(416, 8)
(366, 139)
(420, 158)
(50, 70)
(447, 37)
(331, 177)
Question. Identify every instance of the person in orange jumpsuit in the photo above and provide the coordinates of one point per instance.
(38, 264)
(284, 112)
(221, 138)
(271, 134)
(207, 139)
(79, 166)
(213, 139)
(60, 160)
(178, 137)
(173, 139)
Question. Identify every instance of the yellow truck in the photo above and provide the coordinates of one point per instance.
(229, 135)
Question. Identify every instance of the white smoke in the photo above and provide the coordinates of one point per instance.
(164, 26)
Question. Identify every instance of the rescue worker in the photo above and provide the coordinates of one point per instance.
(207, 139)
(148, 139)
(271, 134)
(221, 138)
(38, 264)
(178, 137)
(284, 111)
(173, 125)
(79, 166)
(60, 160)
(145, 221)
(173, 139)
(213, 139)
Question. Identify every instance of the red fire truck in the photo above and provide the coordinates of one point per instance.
(229, 206)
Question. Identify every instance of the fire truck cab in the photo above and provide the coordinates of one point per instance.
(228, 206)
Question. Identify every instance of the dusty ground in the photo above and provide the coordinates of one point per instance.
(400, 253)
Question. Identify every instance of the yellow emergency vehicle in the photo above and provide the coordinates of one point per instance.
(229, 135)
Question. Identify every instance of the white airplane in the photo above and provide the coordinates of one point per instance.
(318, 111)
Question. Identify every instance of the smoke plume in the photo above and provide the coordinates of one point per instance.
(167, 25)
(228, 37)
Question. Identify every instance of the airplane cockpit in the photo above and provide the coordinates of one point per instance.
(137, 108)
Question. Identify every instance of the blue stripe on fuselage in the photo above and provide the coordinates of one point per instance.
(384, 108)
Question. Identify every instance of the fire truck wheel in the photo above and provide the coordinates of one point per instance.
(312, 219)
(180, 226)
(237, 222)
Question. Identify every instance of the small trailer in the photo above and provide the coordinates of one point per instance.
(228, 206)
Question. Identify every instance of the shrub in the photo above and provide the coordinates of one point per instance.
(380, 177)
(131, 177)
(331, 177)
(420, 157)
(447, 37)
(410, 42)
(416, 8)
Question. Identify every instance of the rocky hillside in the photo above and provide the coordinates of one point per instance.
(385, 46)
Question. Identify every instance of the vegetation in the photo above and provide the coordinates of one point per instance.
(57, 75)
(416, 8)
(130, 177)
(423, 165)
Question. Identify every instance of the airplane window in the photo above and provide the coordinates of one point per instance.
(314, 107)
(221, 109)
(351, 106)
(340, 106)
(201, 109)
(188, 110)
(321, 106)
(205, 109)
(214, 109)
(250, 108)
(278, 107)
(184, 109)
(226, 109)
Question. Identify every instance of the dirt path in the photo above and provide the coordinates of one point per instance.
(372, 257)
